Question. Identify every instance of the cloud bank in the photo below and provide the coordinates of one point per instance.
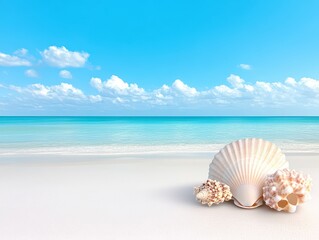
(236, 93)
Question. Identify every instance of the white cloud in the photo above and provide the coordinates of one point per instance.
(249, 88)
(165, 87)
(264, 86)
(118, 100)
(97, 83)
(67, 90)
(309, 84)
(65, 74)
(223, 90)
(95, 98)
(31, 73)
(12, 61)
(39, 90)
(235, 81)
(123, 92)
(61, 91)
(291, 81)
(163, 95)
(184, 88)
(245, 66)
(116, 86)
(62, 57)
(271, 94)
(56, 92)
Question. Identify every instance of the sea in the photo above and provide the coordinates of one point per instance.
(121, 135)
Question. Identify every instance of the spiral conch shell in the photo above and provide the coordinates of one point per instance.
(212, 192)
(286, 189)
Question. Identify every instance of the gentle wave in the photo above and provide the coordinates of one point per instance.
(140, 149)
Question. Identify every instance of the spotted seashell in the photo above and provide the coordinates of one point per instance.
(212, 192)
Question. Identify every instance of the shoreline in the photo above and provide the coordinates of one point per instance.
(147, 149)
(298, 160)
(157, 154)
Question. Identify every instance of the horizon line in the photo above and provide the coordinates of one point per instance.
(159, 116)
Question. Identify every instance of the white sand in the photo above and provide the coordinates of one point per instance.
(45, 197)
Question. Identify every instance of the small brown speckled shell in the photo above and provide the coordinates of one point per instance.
(212, 192)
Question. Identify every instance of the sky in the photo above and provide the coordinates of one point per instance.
(230, 57)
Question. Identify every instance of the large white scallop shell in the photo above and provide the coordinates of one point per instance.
(244, 165)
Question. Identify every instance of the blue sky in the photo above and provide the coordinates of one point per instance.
(159, 57)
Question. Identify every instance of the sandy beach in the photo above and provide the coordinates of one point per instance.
(134, 197)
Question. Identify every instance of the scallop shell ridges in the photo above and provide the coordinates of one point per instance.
(244, 165)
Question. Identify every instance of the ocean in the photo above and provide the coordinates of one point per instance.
(103, 135)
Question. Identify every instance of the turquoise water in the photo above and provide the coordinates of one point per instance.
(126, 134)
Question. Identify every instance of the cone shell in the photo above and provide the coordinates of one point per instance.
(286, 189)
(244, 165)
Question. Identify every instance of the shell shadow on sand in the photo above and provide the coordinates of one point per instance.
(185, 195)
(182, 195)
